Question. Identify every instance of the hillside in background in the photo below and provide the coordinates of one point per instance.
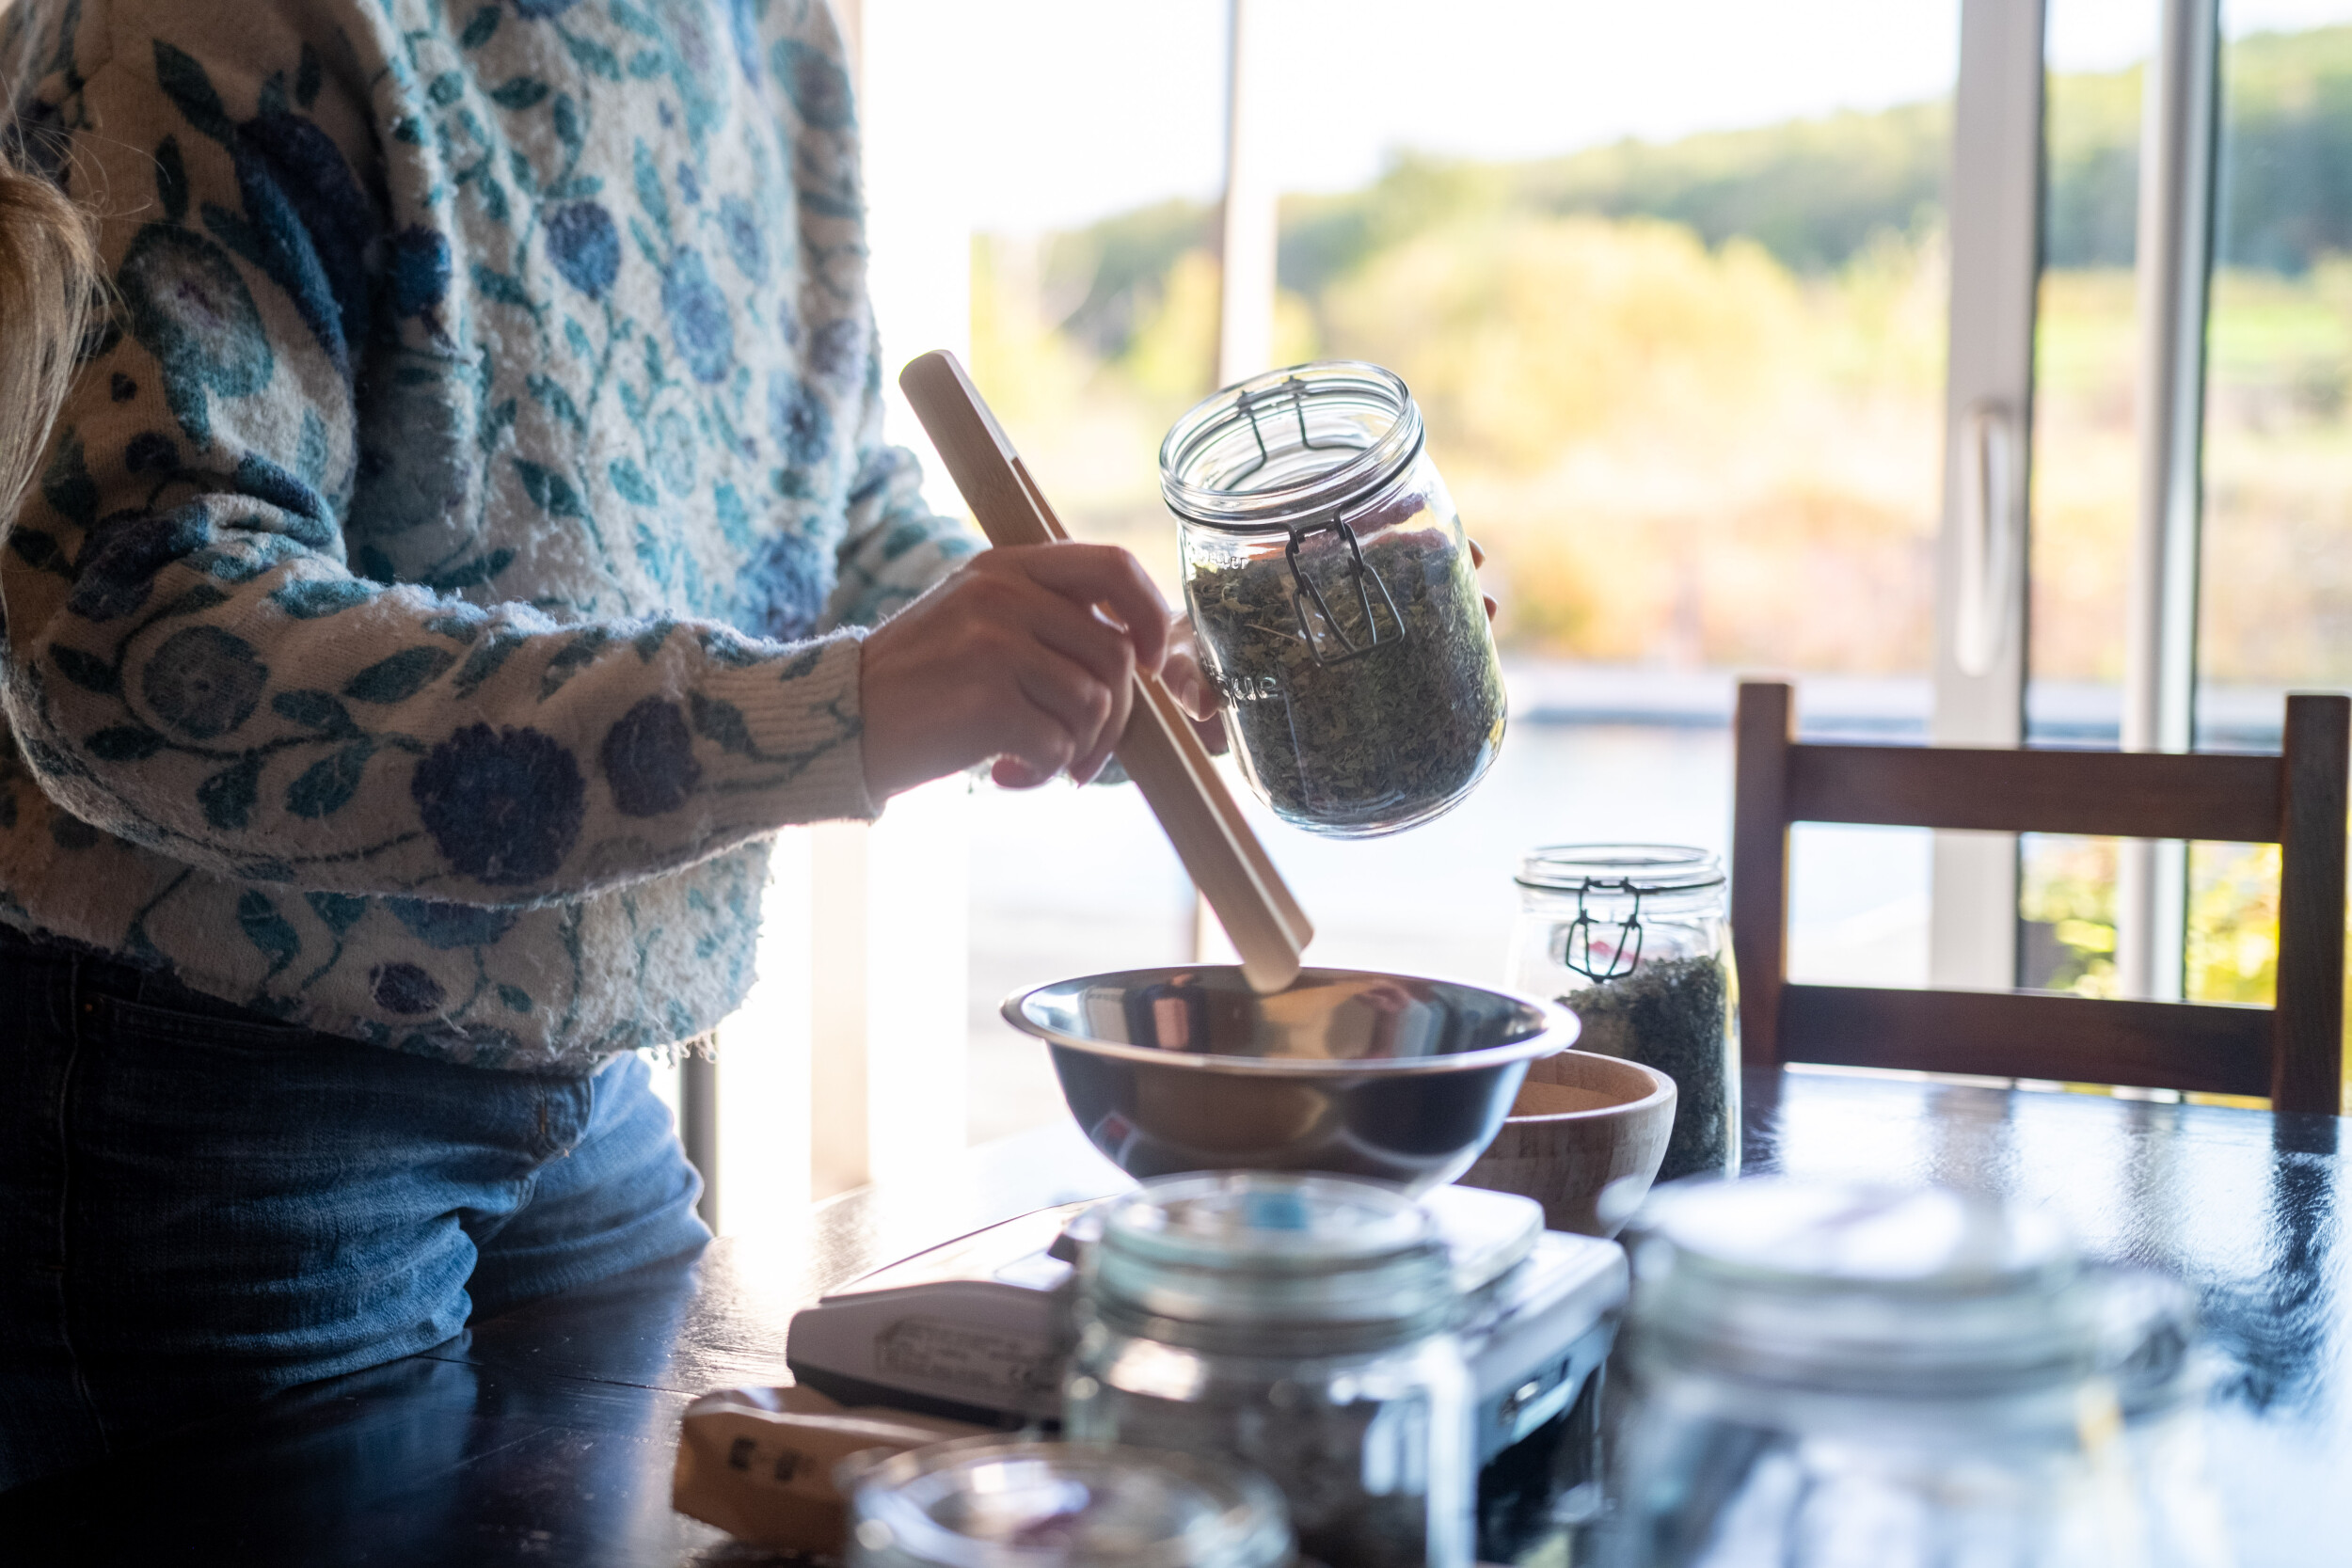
(1814, 193)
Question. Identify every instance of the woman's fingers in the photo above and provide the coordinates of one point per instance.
(1188, 685)
(1069, 694)
(1182, 676)
(1104, 575)
(1085, 577)
(1024, 658)
(1212, 733)
(1103, 652)
(1186, 682)
(1038, 743)
(1079, 633)
(1478, 559)
(1013, 773)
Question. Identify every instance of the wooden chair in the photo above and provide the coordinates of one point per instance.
(2293, 1052)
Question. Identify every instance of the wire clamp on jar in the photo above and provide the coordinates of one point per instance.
(1576, 943)
(1296, 391)
(1358, 571)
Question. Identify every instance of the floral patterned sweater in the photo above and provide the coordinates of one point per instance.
(449, 566)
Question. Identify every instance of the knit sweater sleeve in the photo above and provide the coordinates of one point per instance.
(192, 663)
(894, 546)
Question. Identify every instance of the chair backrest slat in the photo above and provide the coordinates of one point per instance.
(1762, 726)
(2215, 1049)
(2110, 794)
(2298, 799)
(2307, 1065)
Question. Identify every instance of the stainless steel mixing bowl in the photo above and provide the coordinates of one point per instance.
(1348, 1072)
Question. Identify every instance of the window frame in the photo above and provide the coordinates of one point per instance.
(1995, 216)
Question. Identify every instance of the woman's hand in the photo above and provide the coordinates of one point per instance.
(1478, 559)
(1007, 658)
(1182, 673)
(1190, 687)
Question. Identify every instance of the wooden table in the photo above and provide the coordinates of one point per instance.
(544, 1436)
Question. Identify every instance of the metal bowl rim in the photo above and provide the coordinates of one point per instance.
(1559, 1033)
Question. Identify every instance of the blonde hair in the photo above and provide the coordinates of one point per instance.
(48, 267)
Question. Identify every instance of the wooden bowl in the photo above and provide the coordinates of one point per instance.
(1583, 1125)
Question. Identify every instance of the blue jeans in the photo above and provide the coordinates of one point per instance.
(200, 1206)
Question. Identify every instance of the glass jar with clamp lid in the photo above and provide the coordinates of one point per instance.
(1331, 590)
(1301, 1326)
(1631, 939)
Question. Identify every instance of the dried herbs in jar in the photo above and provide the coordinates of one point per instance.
(1674, 1016)
(1296, 1326)
(1333, 595)
(1631, 939)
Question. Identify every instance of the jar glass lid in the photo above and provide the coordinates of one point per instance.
(1619, 867)
(1273, 1248)
(1846, 1286)
(1293, 442)
(992, 1503)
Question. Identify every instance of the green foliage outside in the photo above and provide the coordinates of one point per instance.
(2234, 917)
(2233, 949)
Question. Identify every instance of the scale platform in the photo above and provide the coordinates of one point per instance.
(979, 1329)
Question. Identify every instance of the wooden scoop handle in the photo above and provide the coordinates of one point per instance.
(1159, 751)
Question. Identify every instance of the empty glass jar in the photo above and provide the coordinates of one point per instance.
(1832, 1376)
(1631, 939)
(1299, 1326)
(1333, 594)
(991, 1502)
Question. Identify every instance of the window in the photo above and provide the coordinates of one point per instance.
(2263, 470)
(1805, 337)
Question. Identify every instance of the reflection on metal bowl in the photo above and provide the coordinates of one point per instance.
(1348, 1072)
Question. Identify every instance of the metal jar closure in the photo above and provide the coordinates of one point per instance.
(1631, 938)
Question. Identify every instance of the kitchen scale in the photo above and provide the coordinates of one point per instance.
(979, 1329)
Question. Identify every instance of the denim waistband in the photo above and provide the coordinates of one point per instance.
(82, 972)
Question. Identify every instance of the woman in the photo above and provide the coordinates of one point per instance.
(451, 560)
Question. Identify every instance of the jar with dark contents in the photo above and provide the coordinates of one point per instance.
(1331, 588)
(1631, 938)
(1295, 1325)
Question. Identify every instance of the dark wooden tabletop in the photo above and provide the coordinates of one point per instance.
(546, 1436)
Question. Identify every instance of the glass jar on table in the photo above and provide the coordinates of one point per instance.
(1331, 590)
(1631, 938)
(1296, 1326)
(1840, 1376)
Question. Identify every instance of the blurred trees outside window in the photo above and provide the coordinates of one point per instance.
(2276, 577)
(1689, 395)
